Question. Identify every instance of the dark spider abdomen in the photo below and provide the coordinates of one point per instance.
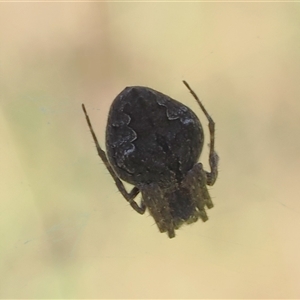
(151, 138)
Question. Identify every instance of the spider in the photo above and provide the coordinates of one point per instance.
(154, 143)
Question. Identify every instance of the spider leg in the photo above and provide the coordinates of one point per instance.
(158, 207)
(128, 196)
(213, 156)
(195, 181)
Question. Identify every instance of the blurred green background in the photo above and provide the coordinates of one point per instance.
(65, 230)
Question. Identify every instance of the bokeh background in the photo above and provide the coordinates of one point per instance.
(65, 230)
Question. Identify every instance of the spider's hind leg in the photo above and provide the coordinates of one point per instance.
(213, 156)
(128, 196)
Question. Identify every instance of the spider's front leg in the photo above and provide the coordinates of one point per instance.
(196, 181)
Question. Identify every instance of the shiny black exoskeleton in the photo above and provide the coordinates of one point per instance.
(151, 138)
